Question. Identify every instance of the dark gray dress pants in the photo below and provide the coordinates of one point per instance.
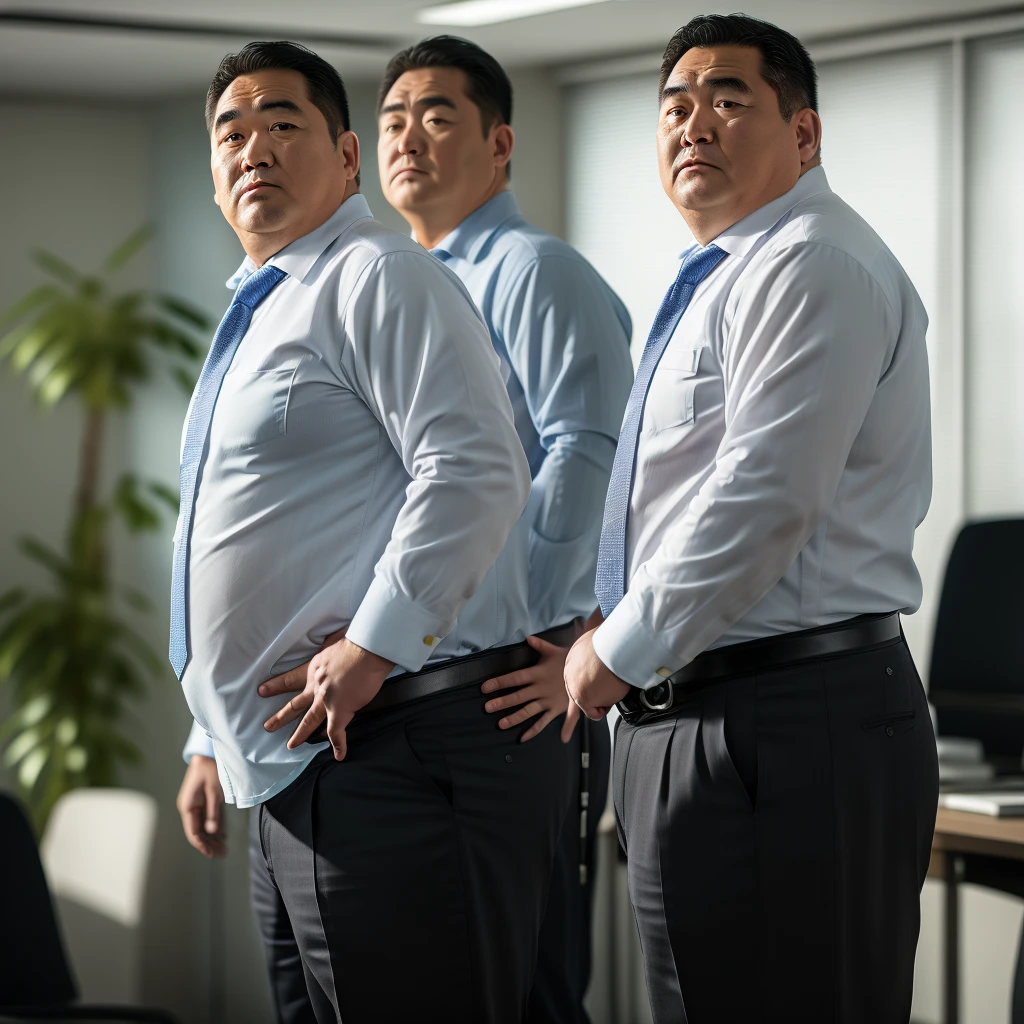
(563, 963)
(414, 874)
(778, 831)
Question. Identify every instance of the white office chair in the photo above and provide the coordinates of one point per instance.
(96, 853)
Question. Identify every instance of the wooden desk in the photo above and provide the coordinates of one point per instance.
(959, 835)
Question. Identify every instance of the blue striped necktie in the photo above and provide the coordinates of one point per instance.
(611, 558)
(252, 291)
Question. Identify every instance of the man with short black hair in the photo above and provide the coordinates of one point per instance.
(444, 150)
(350, 473)
(775, 776)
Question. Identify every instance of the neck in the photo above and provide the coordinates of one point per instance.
(431, 226)
(707, 225)
(259, 247)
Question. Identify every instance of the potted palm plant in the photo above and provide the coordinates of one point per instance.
(67, 655)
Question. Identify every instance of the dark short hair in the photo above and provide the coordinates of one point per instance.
(324, 84)
(488, 85)
(785, 63)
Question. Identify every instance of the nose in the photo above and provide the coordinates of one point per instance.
(257, 152)
(698, 130)
(410, 142)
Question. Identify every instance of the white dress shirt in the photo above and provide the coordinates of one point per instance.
(362, 470)
(784, 458)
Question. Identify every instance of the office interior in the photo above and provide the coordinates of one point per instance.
(101, 107)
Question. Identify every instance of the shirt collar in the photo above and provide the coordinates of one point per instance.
(297, 258)
(740, 238)
(469, 237)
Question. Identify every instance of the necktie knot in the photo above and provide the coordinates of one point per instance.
(255, 288)
(699, 262)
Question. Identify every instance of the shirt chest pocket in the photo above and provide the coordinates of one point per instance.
(252, 408)
(670, 401)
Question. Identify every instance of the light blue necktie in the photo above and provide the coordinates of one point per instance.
(611, 557)
(252, 291)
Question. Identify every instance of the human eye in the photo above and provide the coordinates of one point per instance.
(281, 126)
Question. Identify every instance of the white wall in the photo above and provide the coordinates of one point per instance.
(85, 176)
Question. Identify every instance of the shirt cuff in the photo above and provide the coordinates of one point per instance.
(631, 649)
(392, 626)
(198, 742)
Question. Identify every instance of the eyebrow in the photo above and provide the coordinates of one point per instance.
(234, 114)
(736, 84)
(426, 103)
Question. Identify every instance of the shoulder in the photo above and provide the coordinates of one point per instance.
(829, 243)
(529, 260)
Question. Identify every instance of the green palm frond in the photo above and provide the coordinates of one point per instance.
(69, 659)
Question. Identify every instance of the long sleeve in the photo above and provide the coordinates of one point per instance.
(198, 742)
(422, 361)
(569, 347)
(812, 336)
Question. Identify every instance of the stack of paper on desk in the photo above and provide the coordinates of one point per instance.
(996, 804)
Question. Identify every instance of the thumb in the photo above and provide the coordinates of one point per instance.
(572, 715)
(214, 809)
(542, 646)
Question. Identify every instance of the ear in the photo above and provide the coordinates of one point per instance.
(807, 129)
(502, 145)
(348, 149)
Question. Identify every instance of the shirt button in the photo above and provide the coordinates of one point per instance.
(430, 640)
(888, 671)
(888, 730)
(508, 757)
(664, 672)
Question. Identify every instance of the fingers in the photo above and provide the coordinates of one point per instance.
(309, 724)
(298, 705)
(572, 716)
(337, 723)
(519, 678)
(539, 726)
(522, 715)
(293, 680)
(542, 646)
(514, 699)
(193, 823)
(595, 714)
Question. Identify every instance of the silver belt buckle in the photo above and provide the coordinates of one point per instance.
(660, 705)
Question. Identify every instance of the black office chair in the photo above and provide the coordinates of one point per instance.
(35, 979)
(976, 680)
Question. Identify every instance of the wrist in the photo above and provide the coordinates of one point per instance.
(365, 661)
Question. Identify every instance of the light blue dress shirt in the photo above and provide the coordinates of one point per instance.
(362, 470)
(565, 334)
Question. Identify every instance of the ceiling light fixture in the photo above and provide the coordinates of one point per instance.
(489, 12)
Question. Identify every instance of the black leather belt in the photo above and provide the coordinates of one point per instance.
(773, 652)
(458, 672)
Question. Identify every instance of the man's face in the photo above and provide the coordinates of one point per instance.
(432, 150)
(276, 171)
(723, 145)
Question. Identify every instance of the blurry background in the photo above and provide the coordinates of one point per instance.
(101, 131)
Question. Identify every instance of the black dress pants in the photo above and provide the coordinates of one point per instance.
(778, 831)
(414, 874)
(563, 962)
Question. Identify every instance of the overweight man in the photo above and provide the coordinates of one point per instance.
(444, 150)
(347, 572)
(775, 775)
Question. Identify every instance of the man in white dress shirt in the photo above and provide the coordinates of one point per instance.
(775, 776)
(350, 474)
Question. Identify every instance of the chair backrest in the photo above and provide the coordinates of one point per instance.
(33, 968)
(976, 680)
(97, 850)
